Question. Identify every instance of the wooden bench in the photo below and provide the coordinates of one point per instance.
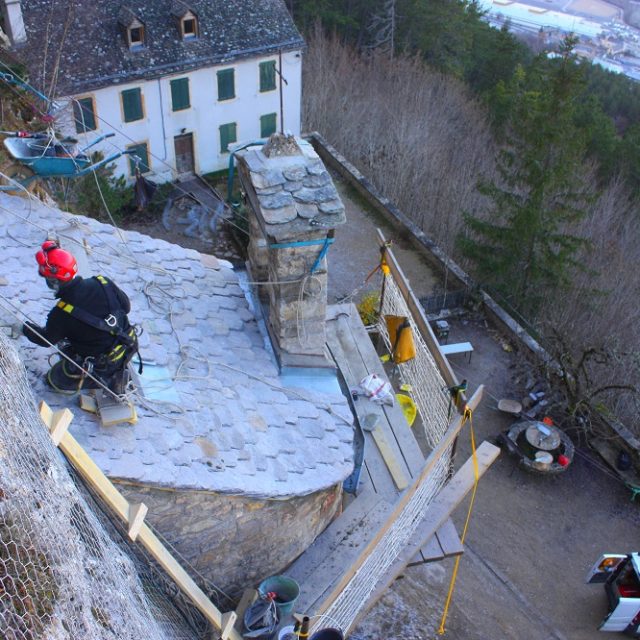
(458, 347)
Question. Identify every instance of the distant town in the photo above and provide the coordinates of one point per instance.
(605, 38)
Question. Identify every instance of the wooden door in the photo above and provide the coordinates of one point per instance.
(184, 153)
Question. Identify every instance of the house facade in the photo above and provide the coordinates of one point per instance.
(178, 83)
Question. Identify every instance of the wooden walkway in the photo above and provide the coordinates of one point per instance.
(392, 460)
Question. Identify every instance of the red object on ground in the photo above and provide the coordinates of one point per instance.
(563, 461)
(548, 421)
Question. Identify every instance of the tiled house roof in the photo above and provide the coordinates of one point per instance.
(85, 39)
(227, 423)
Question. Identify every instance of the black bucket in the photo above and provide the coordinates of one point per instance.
(328, 634)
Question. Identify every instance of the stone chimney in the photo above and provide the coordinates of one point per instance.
(13, 21)
(294, 209)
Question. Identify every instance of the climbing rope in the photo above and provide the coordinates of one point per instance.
(467, 417)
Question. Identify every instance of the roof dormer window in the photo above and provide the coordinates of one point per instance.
(186, 19)
(136, 36)
(189, 26)
(132, 28)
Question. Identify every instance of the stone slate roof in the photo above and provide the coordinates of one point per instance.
(94, 53)
(295, 192)
(234, 428)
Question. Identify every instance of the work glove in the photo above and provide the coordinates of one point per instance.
(28, 330)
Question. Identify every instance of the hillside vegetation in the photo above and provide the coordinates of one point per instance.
(524, 167)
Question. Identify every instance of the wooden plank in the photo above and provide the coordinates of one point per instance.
(103, 487)
(439, 510)
(374, 464)
(249, 596)
(420, 319)
(361, 360)
(449, 539)
(324, 561)
(444, 543)
(393, 464)
(430, 463)
(401, 431)
(430, 552)
(609, 453)
(137, 512)
(229, 620)
(60, 422)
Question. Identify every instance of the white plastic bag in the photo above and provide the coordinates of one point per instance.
(377, 389)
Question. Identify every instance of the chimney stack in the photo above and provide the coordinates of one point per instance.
(294, 210)
(13, 21)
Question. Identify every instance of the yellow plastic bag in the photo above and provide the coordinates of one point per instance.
(401, 338)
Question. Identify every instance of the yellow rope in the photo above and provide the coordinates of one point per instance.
(467, 416)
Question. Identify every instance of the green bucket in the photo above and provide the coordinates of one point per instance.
(286, 589)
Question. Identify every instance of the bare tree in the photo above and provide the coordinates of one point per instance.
(420, 136)
(383, 29)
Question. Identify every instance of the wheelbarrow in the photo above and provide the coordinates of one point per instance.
(42, 155)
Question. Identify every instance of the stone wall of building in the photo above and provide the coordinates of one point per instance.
(234, 541)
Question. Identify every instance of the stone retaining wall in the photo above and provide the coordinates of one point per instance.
(440, 262)
(233, 541)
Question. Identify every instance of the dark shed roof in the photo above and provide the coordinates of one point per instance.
(84, 39)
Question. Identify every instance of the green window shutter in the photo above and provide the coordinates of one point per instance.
(268, 75)
(268, 124)
(142, 152)
(227, 136)
(226, 84)
(132, 105)
(180, 94)
(83, 115)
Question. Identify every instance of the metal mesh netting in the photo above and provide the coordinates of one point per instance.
(63, 575)
(422, 373)
(428, 388)
(345, 608)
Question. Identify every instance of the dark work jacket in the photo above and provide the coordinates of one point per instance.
(84, 340)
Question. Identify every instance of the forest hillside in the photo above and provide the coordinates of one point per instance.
(524, 166)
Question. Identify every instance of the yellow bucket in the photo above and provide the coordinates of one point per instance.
(408, 407)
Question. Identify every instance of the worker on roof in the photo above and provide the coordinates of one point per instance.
(90, 322)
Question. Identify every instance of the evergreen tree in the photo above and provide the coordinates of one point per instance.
(524, 248)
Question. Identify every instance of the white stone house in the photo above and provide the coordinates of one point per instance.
(178, 82)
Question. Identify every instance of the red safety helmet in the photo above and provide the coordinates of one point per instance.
(54, 262)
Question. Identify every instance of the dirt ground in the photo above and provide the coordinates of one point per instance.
(532, 539)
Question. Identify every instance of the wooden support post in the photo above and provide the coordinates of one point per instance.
(137, 512)
(104, 489)
(57, 422)
(228, 621)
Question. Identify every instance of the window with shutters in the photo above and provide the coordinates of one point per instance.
(268, 124)
(228, 135)
(226, 84)
(268, 76)
(180, 94)
(132, 105)
(139, 155)
(84, 115)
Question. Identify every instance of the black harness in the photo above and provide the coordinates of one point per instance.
(115, 324)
